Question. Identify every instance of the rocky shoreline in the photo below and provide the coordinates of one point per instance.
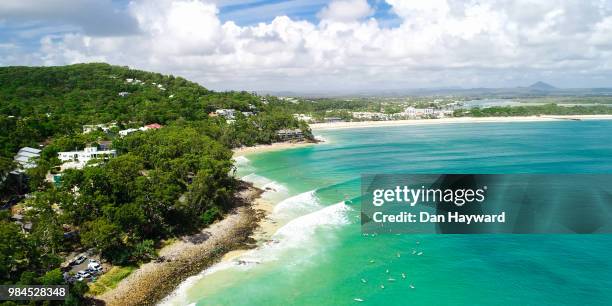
(189, 255)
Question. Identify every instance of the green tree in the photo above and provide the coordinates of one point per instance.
(102, 235)
(13, 250)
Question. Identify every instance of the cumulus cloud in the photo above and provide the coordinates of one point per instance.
(346, 10)
(437, 43)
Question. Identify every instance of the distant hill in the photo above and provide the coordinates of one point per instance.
(99, 93)
(542, 86)
(37, 103)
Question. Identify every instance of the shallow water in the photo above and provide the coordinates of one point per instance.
(321, 258)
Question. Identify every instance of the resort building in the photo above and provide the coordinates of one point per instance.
(412, 112)
(88, 128)
(226, 113)
(295, 134)
(78, 159)
(26, 158)
(370, 116)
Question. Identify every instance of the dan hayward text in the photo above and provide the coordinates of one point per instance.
(450, 217)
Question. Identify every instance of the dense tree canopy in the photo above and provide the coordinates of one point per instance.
(163, 182)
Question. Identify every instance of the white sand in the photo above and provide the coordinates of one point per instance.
(367, 124)
(271, 147)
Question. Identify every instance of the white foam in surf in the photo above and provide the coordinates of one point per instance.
(273, 191)
(304, 227)
(297, 205)
(179, 295)
(241, 161)
(264, 183)
(293, 235)
(321, 138)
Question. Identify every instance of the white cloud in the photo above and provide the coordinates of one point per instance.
(438, 43)
(346, 10)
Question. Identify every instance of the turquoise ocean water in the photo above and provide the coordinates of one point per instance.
(319, 257)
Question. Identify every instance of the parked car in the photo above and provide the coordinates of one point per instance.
(95, 267)
(78, 260)
(82, 275)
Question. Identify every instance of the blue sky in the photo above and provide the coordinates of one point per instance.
(322, 45)
(246, 12)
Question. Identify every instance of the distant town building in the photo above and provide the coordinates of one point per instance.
(370, 116)
(78, 159)
(289, 99)
(332, 119)
(286, 134)
(412, 112)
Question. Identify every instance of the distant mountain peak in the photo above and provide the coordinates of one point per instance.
(542, 86)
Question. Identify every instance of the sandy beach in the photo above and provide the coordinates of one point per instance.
(368, 124)
(270, 147)
(190, 255)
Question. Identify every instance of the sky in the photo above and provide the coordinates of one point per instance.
(322, 46)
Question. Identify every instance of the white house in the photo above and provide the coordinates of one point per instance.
(153, 126)
(124, 133)
(78, 159)
(302, 117)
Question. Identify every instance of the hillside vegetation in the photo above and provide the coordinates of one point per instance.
(162, 184)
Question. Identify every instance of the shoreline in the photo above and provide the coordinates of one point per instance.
(190, 255)
(266, 227)
(390, 123)
(244, 228)
(277, 146)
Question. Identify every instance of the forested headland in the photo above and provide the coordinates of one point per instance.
(163, 183)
